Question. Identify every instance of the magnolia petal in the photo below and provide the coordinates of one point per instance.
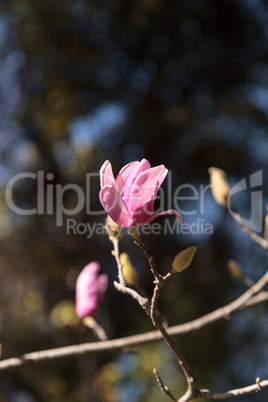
(142, 166)
(160, 181)
(87, 277)
(143, 193)
(168, 212)
(124, 174)
(106, 174)
(158, 184)
(115, 207)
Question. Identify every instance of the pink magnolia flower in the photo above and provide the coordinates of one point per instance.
(129, 199)
(90, 290)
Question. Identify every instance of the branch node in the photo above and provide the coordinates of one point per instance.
(163, 387)
(258, 381)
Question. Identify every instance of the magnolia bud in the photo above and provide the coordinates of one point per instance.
(91, 288)
(235, 269)
(219, 186)
(183, 259)
(129, 272)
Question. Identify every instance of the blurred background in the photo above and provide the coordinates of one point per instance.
(183, 83)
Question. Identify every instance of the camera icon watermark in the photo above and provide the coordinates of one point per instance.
(255, 220)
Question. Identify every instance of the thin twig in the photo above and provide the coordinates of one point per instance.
(144, 302)
(222, 313)
(90, 322)
(121, 286)
(158, 279)
(137, 240)
(250, 389)
(115, 241)
(149, 258)
(154, 311)
(258, 239)
(163, 387)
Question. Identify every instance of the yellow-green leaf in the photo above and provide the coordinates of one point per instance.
(183, 259)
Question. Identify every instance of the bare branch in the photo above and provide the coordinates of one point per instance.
(115, 345)
(250, 389)
(137, 240)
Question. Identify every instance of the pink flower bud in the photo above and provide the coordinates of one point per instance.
(129, 199)
(90, 290)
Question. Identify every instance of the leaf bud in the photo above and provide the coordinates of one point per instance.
(183, 259)
(235, 269)
(219, 186)
(129, 271)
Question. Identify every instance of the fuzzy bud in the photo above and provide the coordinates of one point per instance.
(113, 230)
(129, 271)
(90, 290)
(219, 186)
(235, 269)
